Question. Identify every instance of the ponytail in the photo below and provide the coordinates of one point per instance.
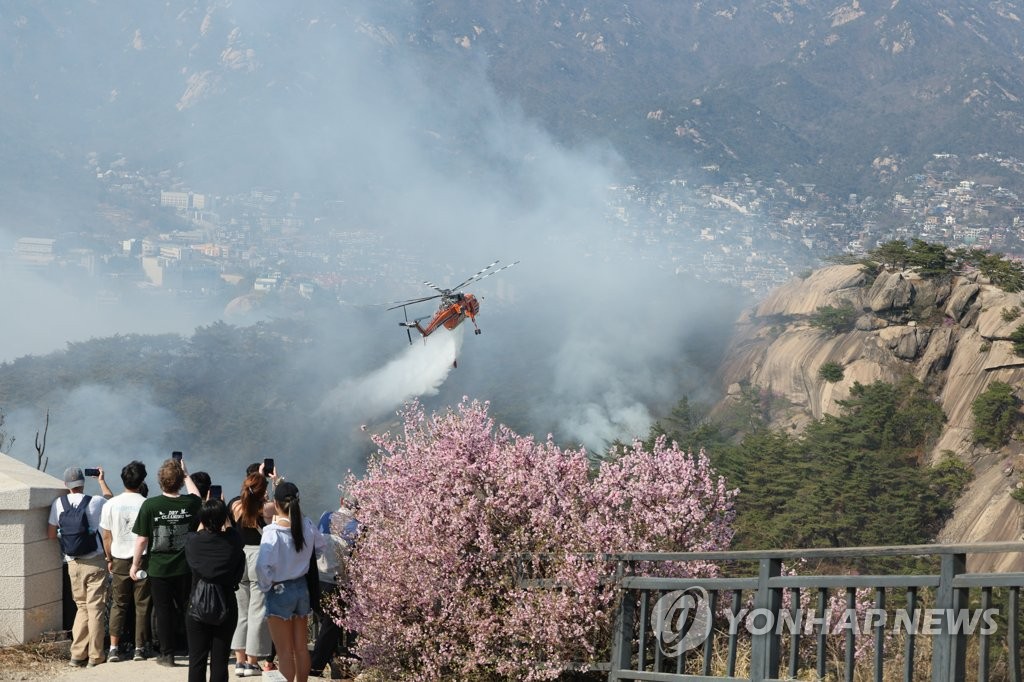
(287, 498)
(295, 517)
(254, 494)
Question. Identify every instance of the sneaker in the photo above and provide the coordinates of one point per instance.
(78, 664)
(166, 661)
(253, 670)
(140, 654)
(113, 656)
(240, 669)
(93, 664)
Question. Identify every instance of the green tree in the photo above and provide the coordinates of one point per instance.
(995, 415)
(1006, 274)
(1017, 337)
(835, 319)
(948, 479)
(930, 259)
(850, 479)
(831, 372)
(689, 426)
(894, 253)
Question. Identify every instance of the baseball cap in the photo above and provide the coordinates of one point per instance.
(74, 477)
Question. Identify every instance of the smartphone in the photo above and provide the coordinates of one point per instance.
(268, 466)
(216, 492)
(91, 472)
(176, 455)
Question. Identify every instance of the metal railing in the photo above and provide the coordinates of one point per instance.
(956, 603)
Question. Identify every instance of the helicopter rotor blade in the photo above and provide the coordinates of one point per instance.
(473, 278)
(443, 292)
(401, 304)
(478, 276)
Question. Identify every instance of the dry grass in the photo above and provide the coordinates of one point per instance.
(36, 660)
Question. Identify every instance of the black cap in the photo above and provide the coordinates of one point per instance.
(286, 490)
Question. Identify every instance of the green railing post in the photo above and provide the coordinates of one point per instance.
(622, 642)
(949, 649)
(764, 648)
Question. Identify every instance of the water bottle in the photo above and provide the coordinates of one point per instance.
(141, 574)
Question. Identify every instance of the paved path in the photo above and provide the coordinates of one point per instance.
(55, 666)
(139, 671)
(136, 671)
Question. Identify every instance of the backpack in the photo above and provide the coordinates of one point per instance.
(339, 531)
(76, 538)
(208, 604)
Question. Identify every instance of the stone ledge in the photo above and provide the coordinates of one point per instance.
(30, 563)
(23, 525)
(31, 591)
(18, 626)
(32, 558)
(22, 487)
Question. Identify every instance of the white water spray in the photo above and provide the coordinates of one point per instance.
(418, 371)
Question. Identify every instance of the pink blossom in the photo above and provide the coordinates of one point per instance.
(483, 552)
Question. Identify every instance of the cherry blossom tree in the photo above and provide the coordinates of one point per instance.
(484, 553)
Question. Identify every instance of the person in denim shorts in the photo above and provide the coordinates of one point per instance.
(285, 552)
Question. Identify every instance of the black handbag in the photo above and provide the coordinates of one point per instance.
(208, 604)
(313, 585)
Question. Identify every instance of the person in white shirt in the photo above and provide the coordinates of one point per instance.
(116, 522)
(286, 551)
(86, 566)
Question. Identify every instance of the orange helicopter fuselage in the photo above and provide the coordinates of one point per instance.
(451, 315)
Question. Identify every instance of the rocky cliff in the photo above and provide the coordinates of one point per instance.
(950, 333)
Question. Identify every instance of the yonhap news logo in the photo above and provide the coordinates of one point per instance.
(681, 620)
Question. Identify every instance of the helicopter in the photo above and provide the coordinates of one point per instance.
(455, 305)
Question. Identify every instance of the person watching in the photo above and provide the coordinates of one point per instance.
(214, 554)
(116, 523)
(286, 549)
(251, 640)
(161, 527)
(74, 522)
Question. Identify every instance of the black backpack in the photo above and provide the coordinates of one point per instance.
(208, 604)
(76, 538)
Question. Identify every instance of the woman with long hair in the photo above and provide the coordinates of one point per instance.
(214, 553)
(251, 640)
(284, 559)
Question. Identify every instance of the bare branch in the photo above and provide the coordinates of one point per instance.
(42, 461)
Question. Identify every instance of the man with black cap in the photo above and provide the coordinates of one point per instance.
(75, 523)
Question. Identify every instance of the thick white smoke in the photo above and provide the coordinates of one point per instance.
(417, 371)
(94, 425)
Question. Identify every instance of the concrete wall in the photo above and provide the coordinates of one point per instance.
(30, 564)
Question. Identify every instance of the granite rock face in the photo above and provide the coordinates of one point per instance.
(951, 334)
